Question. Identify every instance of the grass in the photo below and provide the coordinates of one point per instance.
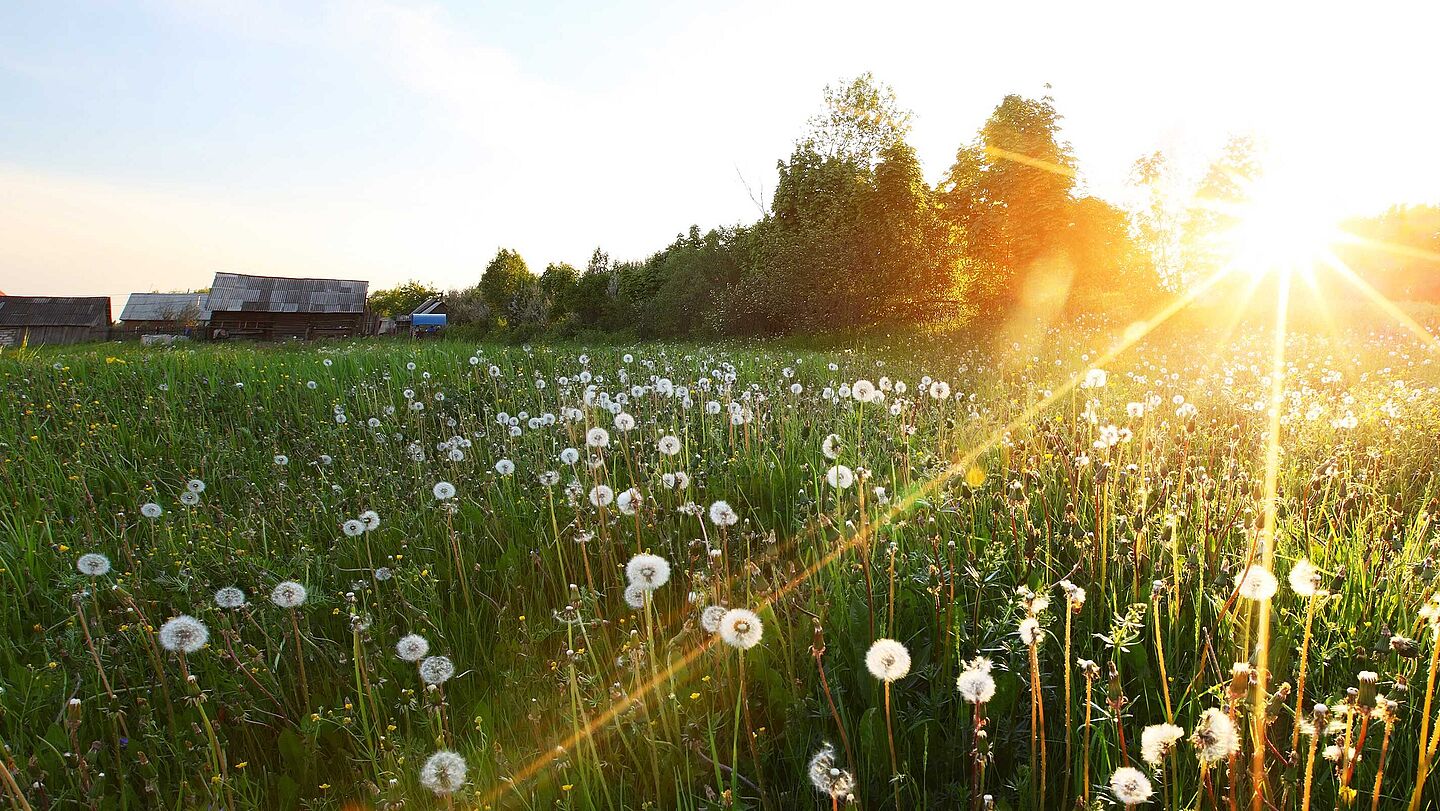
(566, 696)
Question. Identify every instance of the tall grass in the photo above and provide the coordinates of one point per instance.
(1144, 488)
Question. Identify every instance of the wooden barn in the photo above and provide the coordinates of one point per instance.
(36, 320)
(273, 308)
(164, 313)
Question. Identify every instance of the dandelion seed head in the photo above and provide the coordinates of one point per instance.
(93, 564)
(1130, 786)
(436, 669)
(443, 772)
(741, 628)
(183, 634)
(229, 597)
(288, 594)
(412, 647)
(887, 660)
(647, 571)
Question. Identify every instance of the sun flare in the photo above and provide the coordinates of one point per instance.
(1280, 228)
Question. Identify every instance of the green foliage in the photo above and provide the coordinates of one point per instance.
(506, 285)
(401, 299)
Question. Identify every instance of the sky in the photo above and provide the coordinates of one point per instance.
(146, 145)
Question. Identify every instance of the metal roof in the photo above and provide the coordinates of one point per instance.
(431, 305)
(54, 311)
(235, 292)
(165, 307)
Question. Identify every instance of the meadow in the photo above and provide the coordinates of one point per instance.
(687, 576)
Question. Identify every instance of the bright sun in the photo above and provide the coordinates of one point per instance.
(1280, 229)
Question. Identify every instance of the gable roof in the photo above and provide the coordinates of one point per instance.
(232, 292)
(54, 311)
(431, 305)
(165, 306)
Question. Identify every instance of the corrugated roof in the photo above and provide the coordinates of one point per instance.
(431, 305)
(236, 292)
(54, 311)
(165, 307)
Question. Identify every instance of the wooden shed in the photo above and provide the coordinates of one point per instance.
(164, 313)
(53, 319)
(275, 308)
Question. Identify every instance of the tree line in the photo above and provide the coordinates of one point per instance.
(854, 238)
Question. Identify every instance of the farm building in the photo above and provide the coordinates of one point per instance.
(426, 319)
(164, 313)
(277, 309)
(53, 319)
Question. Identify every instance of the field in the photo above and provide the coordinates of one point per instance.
(1071, 549)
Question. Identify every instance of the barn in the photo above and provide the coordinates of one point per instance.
(32, 320)
(275, 308)
(164, 313)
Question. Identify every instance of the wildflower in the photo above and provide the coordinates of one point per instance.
(1256, 583)
(669, 445)
(229, 597)
(189, 499)
(975, 683)
(443, 772)
(741, 628)
(436, 669)
(887, 660)
(940, 390)
(840, 477)
(444, 491)
(630, 501)
(830, 447)
(1215, 737)
(723, 515)
(93, 564)
(649, 572)
(1157, 740)
(370, 520)
(1130, 786)
(1094, 379)
(569, 456)
(863, 391)
(288, 594)
(1305, 579)
(412, 647)
(353, 527)
(827, 777)
(601, 495)
(183, 634)
(710, 618)
(1029, 631)
(624, 422)
(1074, 595)
(281, 460)
(195, 486)
(504, 467)
(548, 479)
(597, 437)
(151, 510)
(635, 595)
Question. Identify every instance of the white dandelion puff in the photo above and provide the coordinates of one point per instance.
(443, 772)
(183, 634)
(741, 628)
(887, 660)
(229, 597)
(93, 564)
(289, 594)
(412, 647)
(436, 669)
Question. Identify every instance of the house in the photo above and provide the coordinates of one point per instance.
(275, 308)
(164, 313)
(428, 318)
(53, 319)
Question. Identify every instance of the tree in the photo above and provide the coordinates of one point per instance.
(504, 279)
(1010, 191)
(861, 120)
(913, 254)
(558, 284)
(401, 299)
